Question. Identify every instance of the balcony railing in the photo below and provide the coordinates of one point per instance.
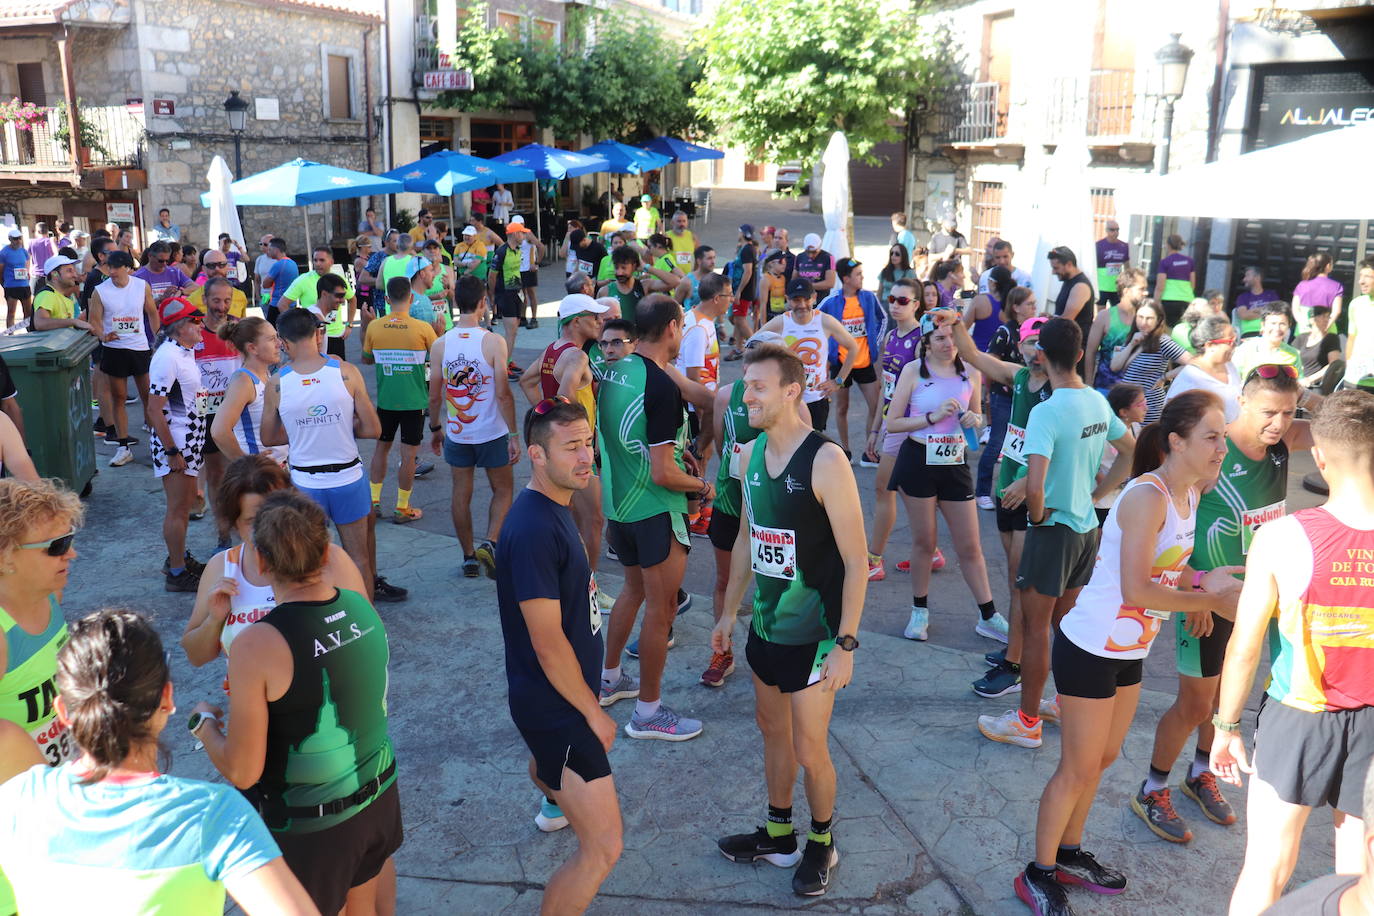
(116, 138)
(983, 115)
(1104, 105)
(426, 47)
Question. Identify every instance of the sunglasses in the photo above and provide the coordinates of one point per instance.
(1272, 370)
(1225, 341)
(900, 300)
(548, 404)
(56, 547)
(208, 264)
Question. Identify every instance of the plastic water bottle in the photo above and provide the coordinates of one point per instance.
(970, 437)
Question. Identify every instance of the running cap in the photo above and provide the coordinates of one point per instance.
(1031, 326)
(646, 198)
(177, 308)
(812, 240)
(16, 232)
(775, 256)
(770, 230)
(469, 230)
(800, 288)
(580, 304)
(765, 337)
(747, 231)
(516, 220)
(56, 261)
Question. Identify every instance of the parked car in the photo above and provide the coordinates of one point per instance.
(788, 175)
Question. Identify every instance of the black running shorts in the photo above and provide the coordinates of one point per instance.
(1080, 673)
(573, 746)
(788, 668)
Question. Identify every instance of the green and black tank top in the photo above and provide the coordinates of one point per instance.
(735, 432)
(798, 573)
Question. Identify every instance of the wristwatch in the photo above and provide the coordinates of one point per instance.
(172, 451)
(198, 719)
(1222, 725)
(847, 643)
(435, 427)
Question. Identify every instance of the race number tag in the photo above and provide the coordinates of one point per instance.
(128, 325)
(55, 742)
(773, 552)
(684, 258)
(856, 327)
(889, 384)
(594, 607)
(735, 450)
(1114, 269)
(945, 448)
(1014, 443)
(207, 403)
(585, 267)
(21, 273)
(1169, 579)
(1251, 519)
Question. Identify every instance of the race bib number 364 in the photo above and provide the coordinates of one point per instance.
(773, 552)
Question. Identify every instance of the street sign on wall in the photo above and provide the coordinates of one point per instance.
(119, 213)
(449, 79)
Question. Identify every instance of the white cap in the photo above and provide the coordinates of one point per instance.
(516, 220)
(578, 304)
(469, 230)
(765, 337)
(812, 240)
(16, 232)
(56, 261)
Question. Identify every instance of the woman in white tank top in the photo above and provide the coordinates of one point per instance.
(234, 594)
(1141, 576)
(238, 423)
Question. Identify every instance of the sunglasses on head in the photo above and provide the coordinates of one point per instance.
(548, 404)
(900, 300)
(56, 547)
(1227, 341)
(1272, 370)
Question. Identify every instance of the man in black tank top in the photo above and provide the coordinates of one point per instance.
(1075, 299)
(798, 490)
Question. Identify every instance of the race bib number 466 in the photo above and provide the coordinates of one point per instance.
(773, 552)
(945, 448)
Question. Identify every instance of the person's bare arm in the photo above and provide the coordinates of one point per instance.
(740, 571)
(668, 474)
(1159, 286)
(150, 310)
(683, 290)
(44, 321)
(494, 348)
(10, 407)
(238, 748)
(95, 315)
(436, 395)
(1003, 373)
(237, 396)
(1121, 466)
(366, 423)
(544, 620)
(1336, 305)
(13, 453)
(1141, 513)
(832, 480)
(272, 890)
(272, 430)
(696, 393)
(18, 751)
(201, 638)
(718, 408)
(851, 351)
(1079, 298)
(1095, 335)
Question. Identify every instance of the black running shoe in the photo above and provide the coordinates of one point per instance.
(1081, 869)
(470, 567)
(384, 591)
(812, 877)
(185, 581)
(1045, 896)
(751, 847)
(486, 558)
(684, 601)
(995, 659)
(191, 563)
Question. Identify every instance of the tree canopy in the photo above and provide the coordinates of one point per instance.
(616, 77)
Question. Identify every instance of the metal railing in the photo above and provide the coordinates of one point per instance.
(983, 115)
(114, 135)
(426, 47)
(1103, 104)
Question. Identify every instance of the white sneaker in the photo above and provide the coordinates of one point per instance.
(122, 456)
(986, 504)
(918, 627)
(985, 435)
(995, 627)
(1049, 709)
(604, 601)
(1007, 728)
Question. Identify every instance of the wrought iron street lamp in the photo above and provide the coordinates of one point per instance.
(1173, 61)
(236, 109)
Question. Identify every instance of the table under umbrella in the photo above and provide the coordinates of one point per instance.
(448, 174)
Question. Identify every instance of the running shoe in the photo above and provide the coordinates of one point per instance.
(994, 659)
(986, 504)
(610, 553)
(188, 562)
(471, 569)
(534, 324)
(1049, 709)
(131, 398)
(918, 627)
(99, 429)
(1156, 809)
(722, 666)
(999, 681)
(606, 601)
(664, 725)
(1045, 896)
(383, 590)
(1080, 868)
(632, 649)
(486, 556)
(423, 468)
(513, 372)
(812, 877)
(734, 355)
(702, 526)
(122, 456)
(198, 510)
(684, 601)
(147, 429)
(995, 627)
(550, 817)
(376, 509)
(1205, 791)
(781, 851)
(868, 460)
(188, 580)
(627, 688)
(1007, 728)
(406, 515)
(937, 562)
(876, 573)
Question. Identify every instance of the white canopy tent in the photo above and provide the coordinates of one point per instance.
(835, 195)
(1321, 177)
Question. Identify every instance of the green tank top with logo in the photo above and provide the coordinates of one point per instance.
(735, 432)
(628, 492)
(1247, 494)
(1014, 442)
(798, 572)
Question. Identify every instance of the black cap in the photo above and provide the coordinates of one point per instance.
(845, 267)
(800, 288)
(747, 231)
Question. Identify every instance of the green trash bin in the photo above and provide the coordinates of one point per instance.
(52, 370)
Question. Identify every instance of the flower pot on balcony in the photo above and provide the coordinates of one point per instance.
(83, 155)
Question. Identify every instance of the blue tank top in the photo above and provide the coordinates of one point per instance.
(984, 328)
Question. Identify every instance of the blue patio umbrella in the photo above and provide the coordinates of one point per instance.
(681, 150)
(626, 159)
(301, 182)
(556, 164)
(446, 173)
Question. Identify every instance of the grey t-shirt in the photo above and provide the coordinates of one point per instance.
(1321, 897)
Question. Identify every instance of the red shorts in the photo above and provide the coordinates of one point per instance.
(743, 308)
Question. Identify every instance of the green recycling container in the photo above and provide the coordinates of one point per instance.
(52, 370)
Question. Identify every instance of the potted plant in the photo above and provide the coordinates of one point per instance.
(88, 137)
(23, 115)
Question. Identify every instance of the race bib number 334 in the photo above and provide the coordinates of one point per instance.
(773, 552)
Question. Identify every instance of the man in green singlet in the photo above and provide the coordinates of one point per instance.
(798, 491)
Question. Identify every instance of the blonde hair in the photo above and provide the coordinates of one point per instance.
(359, 242)
(24, 504)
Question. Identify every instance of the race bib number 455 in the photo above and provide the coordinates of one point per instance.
(773, 552)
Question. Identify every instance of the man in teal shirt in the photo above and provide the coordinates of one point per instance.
(303, 292)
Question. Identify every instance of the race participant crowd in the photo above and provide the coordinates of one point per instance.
(1131, 439)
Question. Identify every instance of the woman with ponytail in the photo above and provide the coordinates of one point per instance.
(238, 423)
(159, 843)
(1141, 577)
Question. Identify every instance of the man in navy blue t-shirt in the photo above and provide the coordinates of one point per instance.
(551, 625)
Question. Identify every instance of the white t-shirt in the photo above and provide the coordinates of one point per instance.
(700, 349)
(1361, 361)
(526, 255)
(1192, 379)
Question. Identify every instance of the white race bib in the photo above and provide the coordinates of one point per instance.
(21, 273)
(1169, 579)
(945, 448)
(1014, 443)
(773, 552)
(856, 327)
(595, 608)
(55, 742)
(684, 258)
(128, 325)
(889, 384)
(585, 267)
(207, 403)
(1114, 269)
(735, 449)
(1251, 519)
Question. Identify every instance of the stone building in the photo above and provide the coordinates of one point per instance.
(145, 84)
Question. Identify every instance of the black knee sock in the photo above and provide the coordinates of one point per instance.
(987, 609)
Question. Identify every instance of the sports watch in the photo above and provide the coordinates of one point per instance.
(1222, 725)
(847, 643)
(198, 719)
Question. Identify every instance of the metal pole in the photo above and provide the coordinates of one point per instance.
(238, 157)
(1157, 241)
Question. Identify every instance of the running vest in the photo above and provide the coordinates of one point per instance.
(217, 360)
(898, 350)
(1101, 622)
(548, 383)
(682, 247)
(248, 427)
(327, 735)
(27, 688)
(944, 442)
(710, 371)
(317, 412)
(984, 328)
(1247, 494)
(472, 417)
(628, 301)
(735, 432)
(628, 492)
(249, 605)
(1014, 442)
(1113, 339)
(1324, 660)
(811, 342)
(798, 573)
(123, 313)
(694, 297)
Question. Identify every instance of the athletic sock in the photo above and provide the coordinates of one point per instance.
(1036, 870)
(919, 601)
(779, 821)
(645, 709)
(376, 489)
(402, 498)
(1158, 779)
(1067, 851)
(987, 609)
(820, 831)
(176, 571)
(874, 557)
(550, 801)
(1027, 721)
(1202, 763)
(610, 675)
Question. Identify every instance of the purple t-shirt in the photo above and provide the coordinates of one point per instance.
(1177, 266)
(170, 278)
(1118, 252)
(1249, 300)
(1319, 291)
(898, 350)
(40, 250)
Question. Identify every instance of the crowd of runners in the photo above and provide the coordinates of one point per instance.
(1131, 441)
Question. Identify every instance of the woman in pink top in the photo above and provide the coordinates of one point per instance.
(1317, 290)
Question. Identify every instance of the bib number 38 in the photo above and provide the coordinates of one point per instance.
(773, 552)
